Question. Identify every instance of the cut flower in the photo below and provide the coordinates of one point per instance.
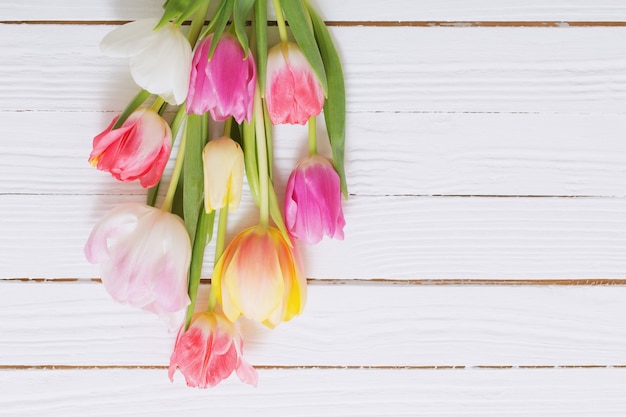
(209, 351)
(139, 149)
(258, 276)
(144, 256)
(160, 60)
(223, 174)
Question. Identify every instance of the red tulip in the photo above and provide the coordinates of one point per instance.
(209, 351)
(139, 149)
(293, 92)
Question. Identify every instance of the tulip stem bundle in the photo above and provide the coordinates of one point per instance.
(225, 72)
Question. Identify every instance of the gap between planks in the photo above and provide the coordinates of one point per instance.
(348, 367)
(438, 23)
(404, 282)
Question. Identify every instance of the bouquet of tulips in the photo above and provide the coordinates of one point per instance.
(215, 67)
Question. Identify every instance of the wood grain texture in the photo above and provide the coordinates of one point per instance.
(409, 69)
(316, 392)
(386, 237)
(345, 10)
(387, 154)
(342, 325)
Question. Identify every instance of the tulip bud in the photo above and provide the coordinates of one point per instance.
(223, 174)
(292, 92)
(223, 85)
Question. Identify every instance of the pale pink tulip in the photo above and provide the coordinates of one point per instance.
(139, 149)
(209, 351)
(223, 162)
(313, 201)
(144, 254)
(160, 60)
(223, 85)
(258, 276)
(292, 91)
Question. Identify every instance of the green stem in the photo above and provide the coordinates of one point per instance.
(197, 22)
(221, 232)
(178, 167)
(205, 222)
(227, 126)
(280, 19)
(312, 136)
(158, 103)
(261, 149)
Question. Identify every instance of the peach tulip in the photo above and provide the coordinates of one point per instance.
(223, 85)
(144, 254)
(209, 351)
(313, 201)
(292, 92)
(139, 149)
(258, 276)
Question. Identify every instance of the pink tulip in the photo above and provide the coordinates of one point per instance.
(313, 201)
(209, 351)
(293, 92)
(139, 149)
(144, 256)
(258, 276)
(223, 85)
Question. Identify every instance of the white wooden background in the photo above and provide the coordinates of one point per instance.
(484, 267)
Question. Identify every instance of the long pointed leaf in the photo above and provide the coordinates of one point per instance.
(335, 105)
(193, 176)
(298, 19)
(260, 30)
(221, 19)
(240, 16)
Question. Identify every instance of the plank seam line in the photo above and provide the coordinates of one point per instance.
(370, 23)
(314, 367)
(384, 281)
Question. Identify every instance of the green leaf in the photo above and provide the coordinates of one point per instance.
(250, 159)
(276, 214)
(178, 10)
(220, 19)
(260, 28)
(335, 105)
(137, 101)
(299, 23)
(193, 176)
(240, 16)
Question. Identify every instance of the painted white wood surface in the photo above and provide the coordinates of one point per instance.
(477, 152)
(320, 392)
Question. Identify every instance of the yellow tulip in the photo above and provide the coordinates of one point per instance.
(223, 174)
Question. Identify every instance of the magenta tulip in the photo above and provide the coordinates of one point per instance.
(223, 85)
(313, 201)
(139, 149)
(292, 92)
(209, 351)
(144, 254)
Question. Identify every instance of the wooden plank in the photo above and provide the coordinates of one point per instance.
(346, 10)
(386, 237)
(342, 325)
(316, 392)
(394, 69)
(386, 154)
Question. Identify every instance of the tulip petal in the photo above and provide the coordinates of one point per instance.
(129, 39)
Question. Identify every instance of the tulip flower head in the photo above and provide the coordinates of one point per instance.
(293, 93)
(258, 276)
(223, 85)
(313, 201)
(209, 351)
(144, 256)
(160, 60)
(223, 174)
(139, 149)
